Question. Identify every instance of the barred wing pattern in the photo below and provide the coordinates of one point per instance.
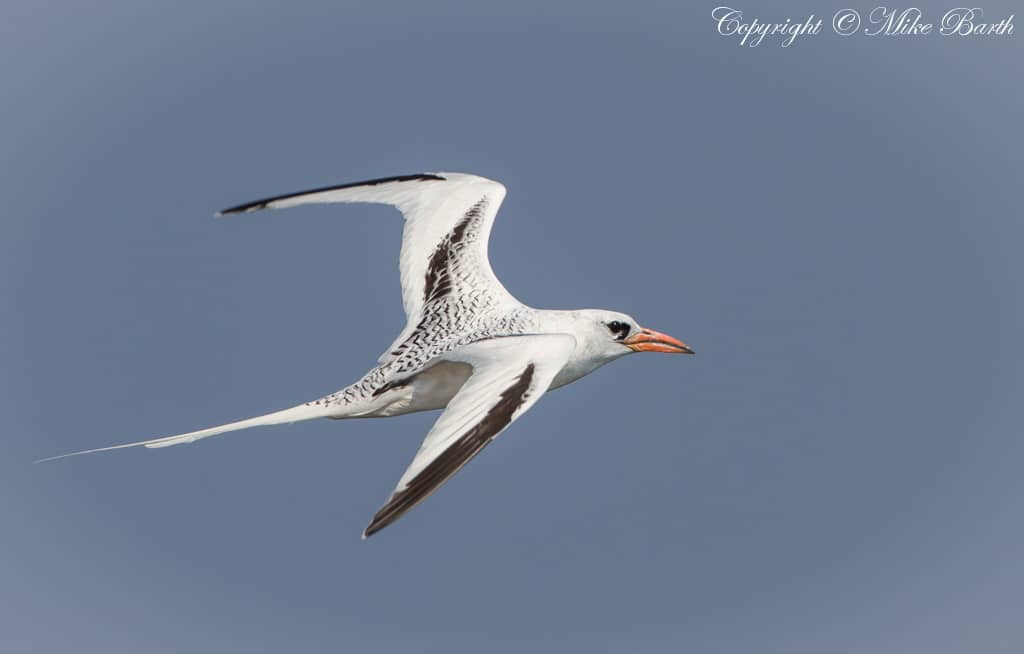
(448, 220)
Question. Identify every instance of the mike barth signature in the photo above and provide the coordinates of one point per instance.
(880, 21)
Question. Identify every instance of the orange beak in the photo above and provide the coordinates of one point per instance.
(648, 340)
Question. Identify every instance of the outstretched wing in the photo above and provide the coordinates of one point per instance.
(509, 376)
(448, 219)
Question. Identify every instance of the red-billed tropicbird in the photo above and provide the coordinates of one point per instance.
(468, 347)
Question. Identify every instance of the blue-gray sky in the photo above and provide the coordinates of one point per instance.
(835, 227)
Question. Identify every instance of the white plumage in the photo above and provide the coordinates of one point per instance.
(468, 346)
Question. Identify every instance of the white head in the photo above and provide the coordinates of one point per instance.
(603, 336)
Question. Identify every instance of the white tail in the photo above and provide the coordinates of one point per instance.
(294, 414)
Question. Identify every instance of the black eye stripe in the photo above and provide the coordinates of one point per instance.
(619, 328)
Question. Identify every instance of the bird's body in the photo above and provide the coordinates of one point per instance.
(424, 377)
(468, 346)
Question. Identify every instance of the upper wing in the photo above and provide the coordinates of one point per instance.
(448, 216)
(509, 375)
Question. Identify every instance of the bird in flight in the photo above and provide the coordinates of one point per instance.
(468, 346)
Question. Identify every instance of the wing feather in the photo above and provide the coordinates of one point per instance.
(434, 205)
(509, 376)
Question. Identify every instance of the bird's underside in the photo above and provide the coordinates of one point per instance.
(464, 331)
(468, 346)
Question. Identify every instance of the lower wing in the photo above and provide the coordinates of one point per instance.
(509, 376)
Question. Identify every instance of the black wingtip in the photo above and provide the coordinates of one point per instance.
(265, 202)
(242, 208)
(375, 525)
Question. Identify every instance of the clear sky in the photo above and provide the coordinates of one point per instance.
(835, 227)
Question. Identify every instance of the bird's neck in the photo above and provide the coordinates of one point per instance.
(585, 359)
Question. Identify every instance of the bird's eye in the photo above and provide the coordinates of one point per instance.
(619, 329)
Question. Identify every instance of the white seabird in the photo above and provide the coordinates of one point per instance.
(468, 347)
